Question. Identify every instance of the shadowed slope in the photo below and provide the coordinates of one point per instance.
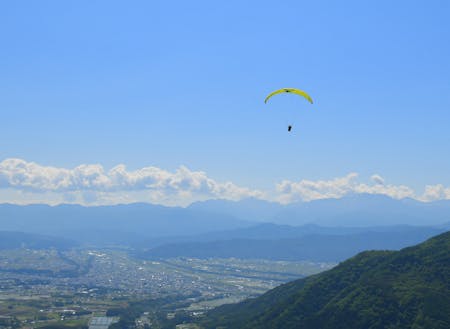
(375, 289)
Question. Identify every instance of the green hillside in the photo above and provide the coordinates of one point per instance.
(409, 288)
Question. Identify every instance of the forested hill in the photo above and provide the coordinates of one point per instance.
(375, 289)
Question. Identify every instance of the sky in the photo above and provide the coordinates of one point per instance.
(105, 102)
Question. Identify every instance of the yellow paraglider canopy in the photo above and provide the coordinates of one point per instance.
(290, 90)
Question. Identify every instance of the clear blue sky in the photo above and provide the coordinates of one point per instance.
(170, 83)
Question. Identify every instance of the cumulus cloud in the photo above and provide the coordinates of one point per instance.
(92, 183)
(435, 192)
(17, 173)
(377, 179)
(307, 190)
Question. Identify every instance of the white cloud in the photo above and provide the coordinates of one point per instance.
(377, 179)
(435, 192)
(90, 184)
(306, 190)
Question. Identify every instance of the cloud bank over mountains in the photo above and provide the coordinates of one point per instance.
(306, 190)
(90, 184)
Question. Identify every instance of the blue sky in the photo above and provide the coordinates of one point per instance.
(171, 84)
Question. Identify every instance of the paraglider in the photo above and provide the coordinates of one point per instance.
(289, 90)
(293, 91)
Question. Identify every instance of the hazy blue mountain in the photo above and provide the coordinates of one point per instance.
(146, 225)
(137, 221)
(15, 240)
(270, 231)
(313, 247)
(351, 210)
(375, 289)
(369, 210)
(252, 209)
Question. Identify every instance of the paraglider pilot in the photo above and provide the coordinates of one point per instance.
(290, 90)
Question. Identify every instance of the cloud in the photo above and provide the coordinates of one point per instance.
(93, 184)
(377, 179)
(435, 192)
(17, 173)
(307, 190)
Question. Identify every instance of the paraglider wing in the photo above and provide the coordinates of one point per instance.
(290, 90)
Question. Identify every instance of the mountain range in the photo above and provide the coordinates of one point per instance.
(147, 220)
(351, 210)
(212, 225)
(409, 288)
(322, 246)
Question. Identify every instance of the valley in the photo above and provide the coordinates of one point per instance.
(47, 287)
